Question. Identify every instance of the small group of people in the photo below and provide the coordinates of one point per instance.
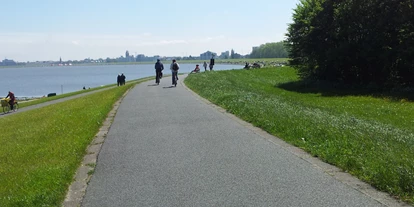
(211, 65)
(121, 79)
(159, 67)
(248, 66)
(174, 67)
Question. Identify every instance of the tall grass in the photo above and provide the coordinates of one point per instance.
(372, 138)
(41, 149)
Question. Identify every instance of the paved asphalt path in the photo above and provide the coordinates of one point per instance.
(166, 147)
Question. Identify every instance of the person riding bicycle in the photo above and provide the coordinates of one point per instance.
(174, 70)
(158, 71)
(12, 99)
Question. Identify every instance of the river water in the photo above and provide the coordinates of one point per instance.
(40, 81)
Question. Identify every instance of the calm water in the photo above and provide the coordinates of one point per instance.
(40, 81)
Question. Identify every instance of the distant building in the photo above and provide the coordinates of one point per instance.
(224, 55)
(7, 62)
(140, 58)
(128, 57)
(207, 55)
(255, 48)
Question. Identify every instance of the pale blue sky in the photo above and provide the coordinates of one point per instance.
(48, 29)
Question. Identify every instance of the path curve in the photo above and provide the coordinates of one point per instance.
(169, 147)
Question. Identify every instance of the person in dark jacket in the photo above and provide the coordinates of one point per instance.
(12, 99)
(123, 79)
(118, 79)
(159, 67)
(211, 63)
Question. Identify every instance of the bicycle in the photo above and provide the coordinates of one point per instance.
(158, 77)
(175, 78)
(6, 105)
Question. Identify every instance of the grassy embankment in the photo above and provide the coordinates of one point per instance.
(46, 99)
(267, 61)
(371, 137)
(41, 149)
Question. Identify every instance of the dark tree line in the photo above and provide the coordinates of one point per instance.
(270, 50)
(354, 41)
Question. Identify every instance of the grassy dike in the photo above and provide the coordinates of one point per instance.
(40, 150)
(46, 99)
(371, 138)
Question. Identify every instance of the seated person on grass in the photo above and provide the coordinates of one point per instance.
(196, 70)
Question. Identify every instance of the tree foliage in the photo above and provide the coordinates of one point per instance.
(270, 50)
(353, 41)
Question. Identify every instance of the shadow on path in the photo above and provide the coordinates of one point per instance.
(169, 87)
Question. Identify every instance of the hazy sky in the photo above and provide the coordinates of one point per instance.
(77, 29)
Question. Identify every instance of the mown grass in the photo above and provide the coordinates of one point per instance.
(46, 99)
(267, 61)
(369, 137)
(41, 149)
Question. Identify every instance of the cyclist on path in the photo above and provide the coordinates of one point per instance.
(174, 70)
(12, 99)
(158, 71)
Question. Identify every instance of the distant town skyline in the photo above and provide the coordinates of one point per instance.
(75, 30)
(130, 58)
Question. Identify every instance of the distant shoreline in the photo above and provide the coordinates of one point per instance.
(217, 61)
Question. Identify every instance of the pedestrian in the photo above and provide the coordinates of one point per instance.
(123, 79)
(118, 80)
(159, 67)
(174, 70)
(12, 99)
(205, 66)
(211, 63)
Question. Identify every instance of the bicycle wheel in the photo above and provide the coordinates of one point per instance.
(16, 106)
(6, 109)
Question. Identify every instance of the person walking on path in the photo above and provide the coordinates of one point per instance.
(174, 70)
(158, 71)
(205, 66)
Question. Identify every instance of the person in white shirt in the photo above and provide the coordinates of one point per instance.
(174, 70)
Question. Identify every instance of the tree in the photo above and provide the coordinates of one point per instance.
(270, 50)
(354, 42)
(232, 54)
